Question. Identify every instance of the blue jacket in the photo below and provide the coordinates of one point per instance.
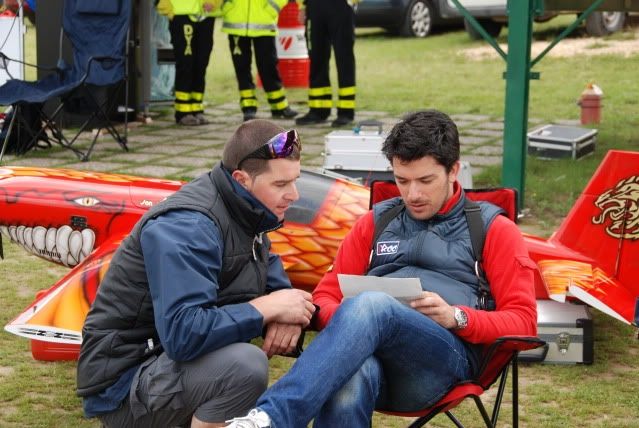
(200, 265)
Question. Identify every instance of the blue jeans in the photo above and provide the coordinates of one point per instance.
(374, 353)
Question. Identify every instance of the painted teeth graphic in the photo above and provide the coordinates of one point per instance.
(63, 245)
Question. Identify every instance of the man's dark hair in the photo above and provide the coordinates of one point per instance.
(248, 137)
(424, 133)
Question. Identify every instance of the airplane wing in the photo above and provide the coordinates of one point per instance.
(58, 313)
(568, 279)
(607, 294)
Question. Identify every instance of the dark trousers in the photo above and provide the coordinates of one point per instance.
(331, 24)
(266, 60)
(192, 45)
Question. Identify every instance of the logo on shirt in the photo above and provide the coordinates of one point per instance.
(387, 247)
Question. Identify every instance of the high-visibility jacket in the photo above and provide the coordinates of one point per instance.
(189, 7)
(251, 18)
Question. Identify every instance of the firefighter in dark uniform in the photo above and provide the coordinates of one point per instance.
(254, 23)
(330, 23)
(191, 26)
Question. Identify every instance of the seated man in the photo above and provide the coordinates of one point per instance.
(375, 352)
(165, 342)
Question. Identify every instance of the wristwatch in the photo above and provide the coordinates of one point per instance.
(461, 318)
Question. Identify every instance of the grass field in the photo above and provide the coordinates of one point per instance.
(399, 75)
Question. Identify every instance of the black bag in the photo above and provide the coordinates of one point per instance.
(27, 130)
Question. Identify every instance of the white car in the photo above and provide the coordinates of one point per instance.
(491, 14)
(408, 18)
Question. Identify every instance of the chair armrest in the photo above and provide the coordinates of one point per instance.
(500, 353)
(85, 76)
(518, 343)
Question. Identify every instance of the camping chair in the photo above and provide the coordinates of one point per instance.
(98, 32)
(496, 362)
(497, 358)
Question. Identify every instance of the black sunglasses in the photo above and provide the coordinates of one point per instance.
(278, 147)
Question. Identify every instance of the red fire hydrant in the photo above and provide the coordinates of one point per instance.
(590, 103)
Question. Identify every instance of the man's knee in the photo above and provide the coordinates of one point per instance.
(357, 396)
(250, 367)
(369, 304)
(238, 376)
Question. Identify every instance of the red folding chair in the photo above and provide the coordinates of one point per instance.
(498, 357)
(496, 363)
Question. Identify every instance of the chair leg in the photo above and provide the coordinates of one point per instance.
(101, 115)
(500, 394)
(484, 414)
(6, 138)
(515, 393)
(423, 420)
(456, 421)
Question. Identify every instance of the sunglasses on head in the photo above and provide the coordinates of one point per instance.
(278, 147)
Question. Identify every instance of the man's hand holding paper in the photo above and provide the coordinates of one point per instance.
(432, 305)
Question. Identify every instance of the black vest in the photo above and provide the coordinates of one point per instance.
(438, 251)
(119, 331)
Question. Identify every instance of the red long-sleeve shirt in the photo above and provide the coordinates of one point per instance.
(509, 270)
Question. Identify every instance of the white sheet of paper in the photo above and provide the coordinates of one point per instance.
(403, 289)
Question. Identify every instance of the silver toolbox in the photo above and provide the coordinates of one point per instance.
(568, 332)
(359, 149)
(558, 141)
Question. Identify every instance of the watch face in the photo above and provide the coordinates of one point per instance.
(461, 318)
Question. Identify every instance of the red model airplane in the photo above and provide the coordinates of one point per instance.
(78, 219)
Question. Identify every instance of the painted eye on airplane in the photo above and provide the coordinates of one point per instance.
(87, 201)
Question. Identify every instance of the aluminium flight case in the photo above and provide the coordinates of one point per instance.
(567, 329)
(559, 141)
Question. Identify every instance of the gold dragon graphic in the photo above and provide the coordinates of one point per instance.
(620, 205)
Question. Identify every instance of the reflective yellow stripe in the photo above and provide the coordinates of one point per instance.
(249, 26)
(317, 92)
(197, 107)
(346, 91)
(279, 106)
(250, 102)
(182, 96)
(183, 108)
(275, 94)
(346, 104)
(247, 93)
(197, 96)
(320, 103)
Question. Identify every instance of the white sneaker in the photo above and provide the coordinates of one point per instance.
(255, 419)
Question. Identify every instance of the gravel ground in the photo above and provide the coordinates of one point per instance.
(569, 47)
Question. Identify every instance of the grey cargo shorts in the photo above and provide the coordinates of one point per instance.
(215, 387)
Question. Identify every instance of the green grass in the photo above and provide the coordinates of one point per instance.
(400, 75)
(605, 394)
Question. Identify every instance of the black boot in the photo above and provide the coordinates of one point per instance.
(345, 117)
(341, 121)
(312, 117)
(286, 113)
(249, 113)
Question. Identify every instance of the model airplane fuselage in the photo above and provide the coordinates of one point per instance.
(78, 219)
